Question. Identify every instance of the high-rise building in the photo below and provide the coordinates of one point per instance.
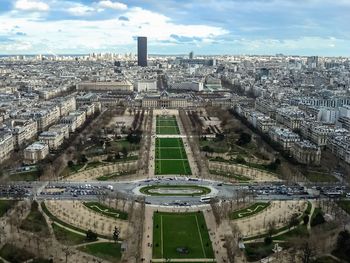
(190, 56)
(142, 51)
(312, 62)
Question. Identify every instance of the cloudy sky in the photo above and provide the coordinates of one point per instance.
(300, 27)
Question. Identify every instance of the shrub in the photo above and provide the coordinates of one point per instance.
(318, 219)
(268, 240)
(91, 236)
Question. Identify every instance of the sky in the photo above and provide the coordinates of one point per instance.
(208, 27)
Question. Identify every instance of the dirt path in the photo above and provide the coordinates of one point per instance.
(217, 236)
(148, 234)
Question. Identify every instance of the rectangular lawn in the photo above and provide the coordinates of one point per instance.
(168, 122)
(176, 167)
(169, 142)
(172, 231)
(168, 130)
(167, 125)
(171, 153)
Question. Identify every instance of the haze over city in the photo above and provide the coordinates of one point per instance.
(308, 27)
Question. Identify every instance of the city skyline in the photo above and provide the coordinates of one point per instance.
(176, 27)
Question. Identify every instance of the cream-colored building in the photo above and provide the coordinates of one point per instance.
(166, 100)
(340, 146)
(24, 131)
(53, 139)
(80, 115)
(66, 105)
(88, 108)
(306, 152)
(35, 152)
(6, 145)
(124, 86)
(71, 121)
(61, 128)
(46, 118)
(285, 137)
(147, 85)
(264, 123)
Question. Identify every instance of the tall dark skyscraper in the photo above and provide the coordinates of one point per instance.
(142, 51)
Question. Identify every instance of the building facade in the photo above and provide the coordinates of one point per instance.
(6, 145)
(35, 152)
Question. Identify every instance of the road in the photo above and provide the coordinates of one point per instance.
(93, 190)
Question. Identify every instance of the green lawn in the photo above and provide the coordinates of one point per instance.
(114, 175)
(315, 176)
(167, 130)
(171, 153)
(6, 205)
(108, 251)
(124, 143)
(299, 231)
(167, 125)
(237, 177)
(106, 211)
(24, 176)
(177, 167)
(75, 167)
(201, 190)
(67, 237)
(325, 259)
(257, 251)
(166, 122)
(41, 260)
(35, 222)
(249, 211)
(171, 157)
(216, 146)
(14, 254)
(169, 142)
(181, 230)
(345, 205)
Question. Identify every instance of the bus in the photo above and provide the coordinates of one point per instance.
(205, 199)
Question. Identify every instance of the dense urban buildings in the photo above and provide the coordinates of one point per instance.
(226, 158)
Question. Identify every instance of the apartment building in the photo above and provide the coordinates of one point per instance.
(60, 128)
(66, 105)
(23, 131)
(53, 139)
(340, 146)
(264, 123)
(121, 86)
(47, 117)
(71, 121)
(306, 152)
(6, 145)
(80, 115)
(283, 136)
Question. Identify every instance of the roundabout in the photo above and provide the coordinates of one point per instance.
(175, 190)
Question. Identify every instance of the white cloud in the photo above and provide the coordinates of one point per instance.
(31, 5)
(87, 36)
(112, 5)
(80, 10)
